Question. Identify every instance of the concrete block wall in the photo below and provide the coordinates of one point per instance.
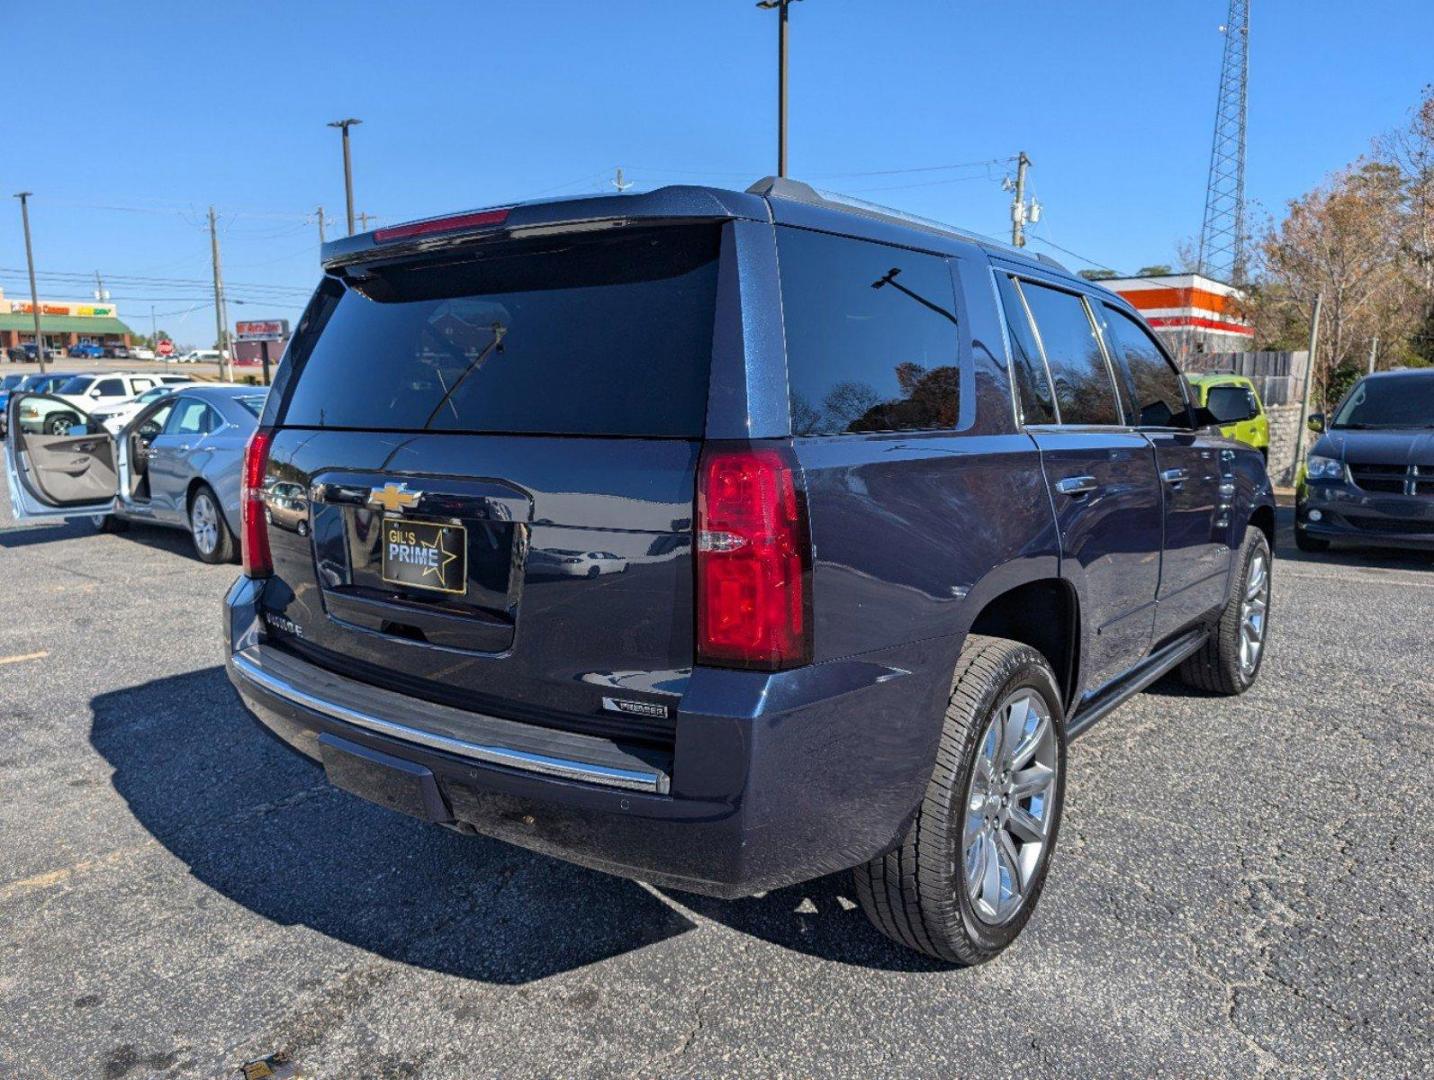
(1284, 424)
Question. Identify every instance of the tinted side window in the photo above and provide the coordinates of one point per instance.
(871, 335)
(1085, 393)
(1159, 393)
(1031, 381)
(188, 418)
(111, 388)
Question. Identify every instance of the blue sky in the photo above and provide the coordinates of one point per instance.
(143, 115)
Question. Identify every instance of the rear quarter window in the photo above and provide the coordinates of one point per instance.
(872, 336)
(1156, 386)
(569, 336)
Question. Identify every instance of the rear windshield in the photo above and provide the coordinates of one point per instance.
(77, 385)
(590, 336)
(254, 403)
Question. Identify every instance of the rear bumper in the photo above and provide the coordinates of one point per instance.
(774, 779)
(1339, 511)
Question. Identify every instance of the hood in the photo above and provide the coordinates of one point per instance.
(1414, 446)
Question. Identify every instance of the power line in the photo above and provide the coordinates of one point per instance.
(62, 276)
(918, 169)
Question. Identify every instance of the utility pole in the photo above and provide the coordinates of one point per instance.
(781, 6)
(363, 221)
(153, 328)
(1309, 377)
(618, 182)
(24, 198)
(1373, 353)
(1020, 212)
(343, 126)
(221, 319)
(321, 226)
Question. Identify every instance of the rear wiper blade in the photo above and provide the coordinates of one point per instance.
(498, 331)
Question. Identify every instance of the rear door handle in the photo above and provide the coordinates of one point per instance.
(1076, 485)
(1174, 477)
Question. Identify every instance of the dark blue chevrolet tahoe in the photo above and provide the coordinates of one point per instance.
(725, 540)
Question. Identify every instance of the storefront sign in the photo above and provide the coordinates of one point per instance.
(262, 330)
(88, 311)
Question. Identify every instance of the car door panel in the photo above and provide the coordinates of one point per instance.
(1196, 481)
(1101, 474)
(54, 476)
(1110, 529)
(1196, 560)
(174, 455)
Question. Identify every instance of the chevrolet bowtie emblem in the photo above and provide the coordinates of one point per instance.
(394, 497)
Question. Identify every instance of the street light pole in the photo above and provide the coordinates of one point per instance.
(343, 126)
(24, 198)
(1309, 378)
(781, 6)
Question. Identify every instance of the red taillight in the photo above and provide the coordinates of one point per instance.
(753, 558)
(255, 528)
(454, 223)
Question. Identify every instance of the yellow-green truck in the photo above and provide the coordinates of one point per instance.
(1255, 431)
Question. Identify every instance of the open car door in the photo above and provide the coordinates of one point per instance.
(58, 463)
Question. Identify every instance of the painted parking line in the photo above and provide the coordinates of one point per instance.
(25, 656)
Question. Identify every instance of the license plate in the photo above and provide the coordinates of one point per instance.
(425, 555)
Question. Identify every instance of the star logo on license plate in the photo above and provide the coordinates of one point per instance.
(394, 497)
(439, 569)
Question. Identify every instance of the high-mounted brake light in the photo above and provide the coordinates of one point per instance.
(254, 527)
(433, 226)
(753, 560)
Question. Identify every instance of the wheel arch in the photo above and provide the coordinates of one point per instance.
(1262, 517)
(1043, 613)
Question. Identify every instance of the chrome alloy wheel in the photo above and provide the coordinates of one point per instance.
(1010, 806)
(1253, 607)
(204, 524)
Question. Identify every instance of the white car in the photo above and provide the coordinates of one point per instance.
(202, 356)
(114, 417)
(76, 399)
(141, 354)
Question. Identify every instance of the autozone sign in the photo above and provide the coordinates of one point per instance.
(266, 330)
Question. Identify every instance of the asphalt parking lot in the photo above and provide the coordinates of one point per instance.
(1241, 886)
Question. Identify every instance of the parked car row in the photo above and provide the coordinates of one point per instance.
(88, 350)
(70, 404)
(170, 454)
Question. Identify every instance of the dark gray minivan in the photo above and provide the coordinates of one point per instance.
(729, 539)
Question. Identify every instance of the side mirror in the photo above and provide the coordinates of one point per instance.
(1316, 421)
(1230, 405)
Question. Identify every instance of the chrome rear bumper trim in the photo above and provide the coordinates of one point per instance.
(563, 768)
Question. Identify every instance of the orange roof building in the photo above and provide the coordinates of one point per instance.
(1191, 313)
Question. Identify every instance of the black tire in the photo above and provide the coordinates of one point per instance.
(60, 423)
(1217, 667)
(224, 547)
(917, 894)
(109, 523)
(1307, 543)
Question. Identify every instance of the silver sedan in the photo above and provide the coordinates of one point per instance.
(177, 463)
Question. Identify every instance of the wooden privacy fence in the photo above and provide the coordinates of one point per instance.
(1278, 376)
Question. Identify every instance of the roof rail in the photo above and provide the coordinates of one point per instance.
(781, 187)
